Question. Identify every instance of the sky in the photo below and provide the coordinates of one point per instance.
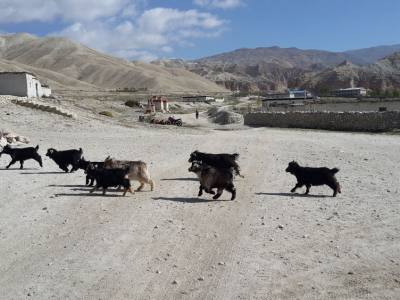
(190, 29)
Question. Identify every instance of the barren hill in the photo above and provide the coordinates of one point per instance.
(274, 68)
(284, 57)
(380, 76)
(72, 61)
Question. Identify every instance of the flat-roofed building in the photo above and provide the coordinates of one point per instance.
(22, 84)
(350, 92)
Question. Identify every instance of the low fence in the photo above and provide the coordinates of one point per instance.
(339, 121)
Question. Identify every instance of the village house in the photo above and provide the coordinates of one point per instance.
(22, 84)
(350, 92)
(198, 99)
(157, 104)
(289, 95)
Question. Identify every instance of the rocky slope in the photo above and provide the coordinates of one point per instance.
(65, 63)
(380, 76)
(274, 68)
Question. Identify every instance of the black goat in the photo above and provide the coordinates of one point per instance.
(106, 178)
(314, 176)
(84, 165)
(221, 161)
(211, 177)
(65, 158)
(22, 154)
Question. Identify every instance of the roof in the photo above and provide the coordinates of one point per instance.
(351, 89)
(18, 73)
(198, 96)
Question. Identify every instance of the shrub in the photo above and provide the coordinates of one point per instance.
(106, 113)
(132, 103)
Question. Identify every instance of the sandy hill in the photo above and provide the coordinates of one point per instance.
(67, 63)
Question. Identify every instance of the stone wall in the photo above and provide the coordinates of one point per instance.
(340, 121)
(44, 107)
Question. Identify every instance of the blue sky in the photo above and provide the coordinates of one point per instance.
(146, 29)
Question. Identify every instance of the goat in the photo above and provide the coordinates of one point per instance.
(65, 158)
(22, 154)
(84, 164)
(106, 178)
(314, 176)
(211, 177)
(137, 171)
(221, 160)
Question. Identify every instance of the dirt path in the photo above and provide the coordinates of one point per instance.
(59, 242)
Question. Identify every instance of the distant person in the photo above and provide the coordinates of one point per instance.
(197, 114)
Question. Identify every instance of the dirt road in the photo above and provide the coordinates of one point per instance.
(59, 242)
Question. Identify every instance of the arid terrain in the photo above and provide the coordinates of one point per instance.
(57, 241)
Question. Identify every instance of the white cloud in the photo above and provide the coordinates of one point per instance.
(225, 4)
(155, 31)
(119, 27)
(15, 11)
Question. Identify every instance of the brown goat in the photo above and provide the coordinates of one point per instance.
(137, 171)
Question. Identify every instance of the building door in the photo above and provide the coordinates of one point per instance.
(37, 90)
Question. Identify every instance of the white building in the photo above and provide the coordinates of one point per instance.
(198, 99)
(290, 95)
(22, 84)
(350, 92)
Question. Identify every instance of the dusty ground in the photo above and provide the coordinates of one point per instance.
(59, 242)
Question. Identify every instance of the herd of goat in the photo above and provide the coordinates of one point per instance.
(215, 171)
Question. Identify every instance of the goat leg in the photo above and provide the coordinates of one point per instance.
(298, 185)
(140, 187)
(219, 193)
(13, 161)
(308, 186)
(200, 191)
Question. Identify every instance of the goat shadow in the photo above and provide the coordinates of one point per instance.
(16, 169)
(292, 195)
(180, 179)
(110, 194)
(43, 173)
(188, 200)
(71, 185)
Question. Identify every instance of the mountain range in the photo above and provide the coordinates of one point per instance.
(277, 69)
(68, 65)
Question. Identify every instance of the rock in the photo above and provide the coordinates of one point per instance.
(223, 117)
(158, 272)
(44, 208)
(350, 273)
(200, 279)
(175, 282)
(221, 263)
(280, 226)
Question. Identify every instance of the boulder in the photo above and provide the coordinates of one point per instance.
(224, 117)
